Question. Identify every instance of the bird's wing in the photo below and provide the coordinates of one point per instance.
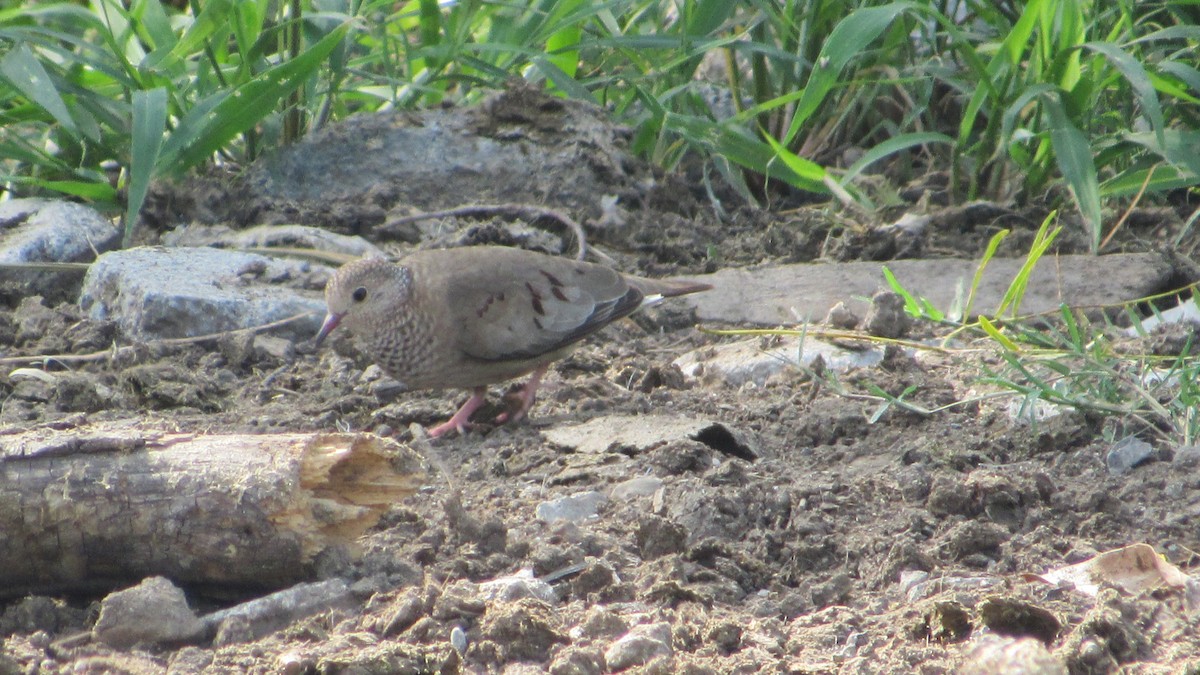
(514, 305)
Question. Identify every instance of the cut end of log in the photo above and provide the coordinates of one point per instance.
(349, 481)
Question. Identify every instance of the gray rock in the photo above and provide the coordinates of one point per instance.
(920, 589)
(517, 586)
(40, 230)
(156, 293)
(458, 640)
(656, 537)
(266, 236)
(190, 661)
(514, 148)
(1126, 454)
(887, 317)
(1187, 456)
(736, 363)
(642, 486)
(577, 661)
(639, 646)
(153, 612)
(995, 654)
(573, 508)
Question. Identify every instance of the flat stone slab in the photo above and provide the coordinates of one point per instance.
(158, 293)
(788, 294)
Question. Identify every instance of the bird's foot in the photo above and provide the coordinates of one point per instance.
(461, 421)
(521, 400)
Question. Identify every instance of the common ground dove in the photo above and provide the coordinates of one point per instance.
(474, 316)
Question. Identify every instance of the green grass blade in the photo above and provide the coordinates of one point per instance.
(214, 16)
(206, 128)
(994, 333)
(149, 121)
(156, 23)
(988, 254)
(1016, 289)
(848, 39)
(1137, 77)
(1076, 335)
(562, 49)
(1074, 158)
(93, 191)
(705, 16)
(733, 144)
(892, 146)
(807, 170)
(24, 72)
(562, 81)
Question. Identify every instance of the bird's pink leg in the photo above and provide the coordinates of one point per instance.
(521, 400)
(462, 418)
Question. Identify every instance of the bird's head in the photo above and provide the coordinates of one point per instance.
(362, 291)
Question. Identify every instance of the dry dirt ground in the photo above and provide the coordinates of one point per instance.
(809, 558)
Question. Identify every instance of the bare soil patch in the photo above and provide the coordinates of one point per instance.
(848, 545)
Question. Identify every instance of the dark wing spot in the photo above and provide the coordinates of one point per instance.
(486, 303)
(551, 278)
(537, 323)
(537, 299)
(557, 292)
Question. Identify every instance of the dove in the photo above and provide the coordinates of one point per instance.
(474, 316)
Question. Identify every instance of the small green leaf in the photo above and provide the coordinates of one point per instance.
(994, 333)
(911, 305)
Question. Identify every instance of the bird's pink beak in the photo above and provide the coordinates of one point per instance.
(331, 321)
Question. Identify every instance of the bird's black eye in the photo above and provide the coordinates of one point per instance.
(359, 294)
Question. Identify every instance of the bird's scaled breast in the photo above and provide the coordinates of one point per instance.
(401, 344)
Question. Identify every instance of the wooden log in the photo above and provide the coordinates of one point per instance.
(95, 509)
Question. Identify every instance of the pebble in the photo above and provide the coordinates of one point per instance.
(1025, 656)
(642, 486)
(517, 586)
(155, 611)
(1127, 454)
(572, 508)
(639, 646)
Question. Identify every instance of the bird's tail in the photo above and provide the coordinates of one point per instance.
(668, 288)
